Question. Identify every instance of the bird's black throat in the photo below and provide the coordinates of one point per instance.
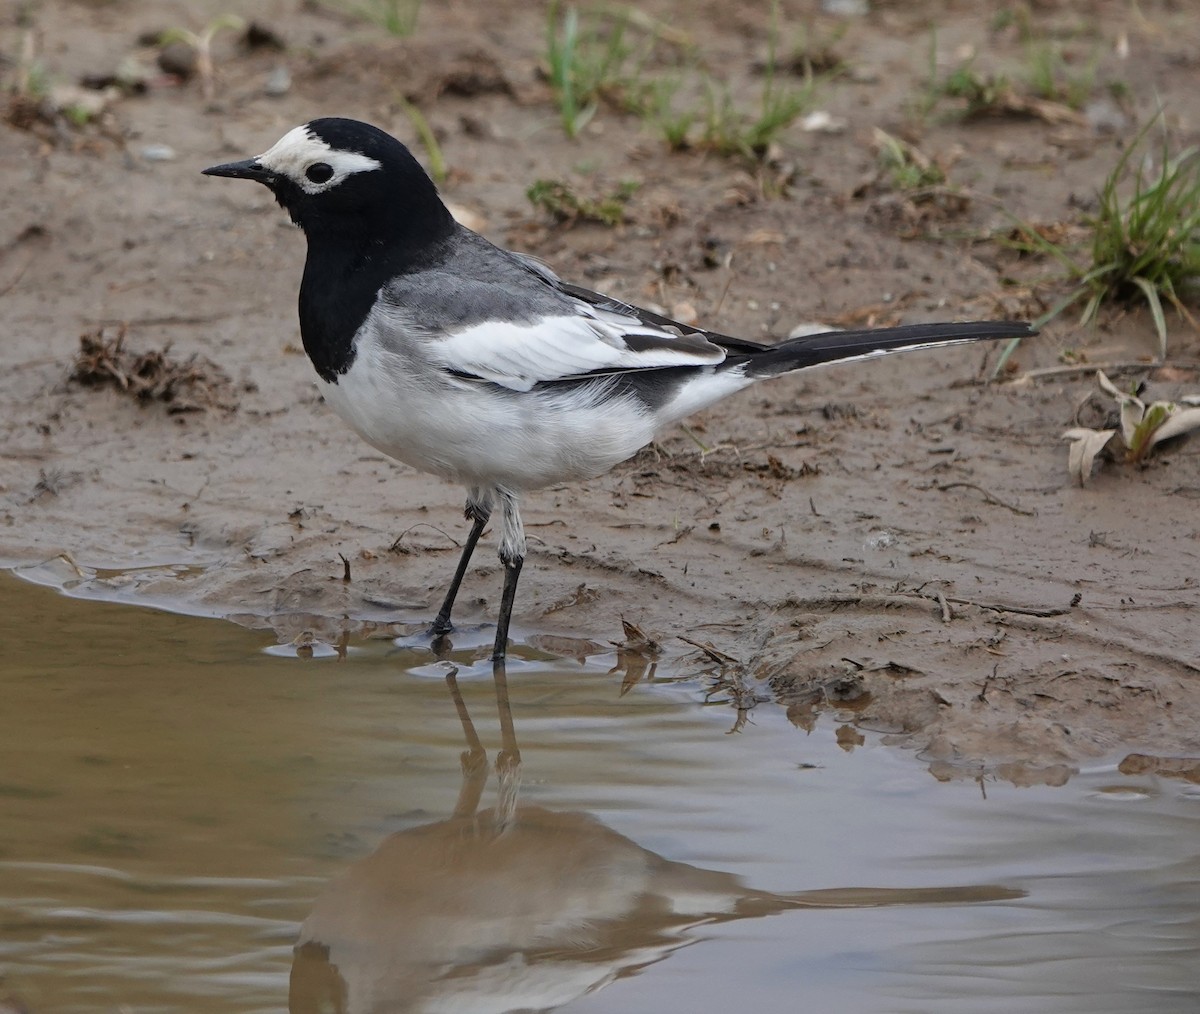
(350, 258)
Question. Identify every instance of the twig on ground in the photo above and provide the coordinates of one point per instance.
(989, 497)
(1022, 610)
(395, 547)
(1061, 372)
(899, 600)
(713, 654)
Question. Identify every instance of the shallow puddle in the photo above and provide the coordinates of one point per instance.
(181, 807)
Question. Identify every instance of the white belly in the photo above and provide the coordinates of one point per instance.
(481, 435)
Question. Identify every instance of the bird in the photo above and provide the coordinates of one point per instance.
(481, 365)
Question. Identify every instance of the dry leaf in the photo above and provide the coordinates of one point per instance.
(1132, 407)
(1085, 445)
(1142, 427)
(1181, 421)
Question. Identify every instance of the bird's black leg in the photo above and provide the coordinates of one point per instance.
(512, 555)
(479, 509)
(512, 571)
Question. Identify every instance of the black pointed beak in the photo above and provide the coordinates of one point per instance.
(247, 169)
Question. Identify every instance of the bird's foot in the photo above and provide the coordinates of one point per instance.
(442, 641)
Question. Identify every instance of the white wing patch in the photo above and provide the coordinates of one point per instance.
(299, 148)
(517, 356)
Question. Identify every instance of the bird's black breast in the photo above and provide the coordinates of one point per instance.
(330, 316)
(351, 257)
(340, 287)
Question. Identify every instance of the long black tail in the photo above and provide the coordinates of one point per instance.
(836, 346)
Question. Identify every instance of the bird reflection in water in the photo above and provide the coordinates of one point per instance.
(519, 907)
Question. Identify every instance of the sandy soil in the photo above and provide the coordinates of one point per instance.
(897, 541)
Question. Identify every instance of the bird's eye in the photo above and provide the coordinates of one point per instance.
(319, 172)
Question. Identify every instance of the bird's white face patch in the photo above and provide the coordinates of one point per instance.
(296, 153)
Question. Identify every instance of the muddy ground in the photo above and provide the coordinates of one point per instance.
(898, 541)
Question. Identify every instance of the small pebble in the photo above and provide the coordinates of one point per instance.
(846, 8)
(158, 153)
(821, 122)
(279, 82)
(685, 313)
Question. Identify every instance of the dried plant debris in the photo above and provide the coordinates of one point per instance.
(637, 640)
(910, 189)
(637, 656)
(50, 483)
(1141, 428)
(420, 72)
(993, 95)
(904, 166)
(39, 103)
(189, 385)
(566, 205)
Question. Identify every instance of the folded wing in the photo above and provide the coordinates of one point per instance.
(585, 340)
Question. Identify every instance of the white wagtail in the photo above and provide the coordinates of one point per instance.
(482, 366)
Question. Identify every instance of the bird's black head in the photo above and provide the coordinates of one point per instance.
(340, 178)
(370, 213)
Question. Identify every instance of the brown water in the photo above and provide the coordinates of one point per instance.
(180, 807)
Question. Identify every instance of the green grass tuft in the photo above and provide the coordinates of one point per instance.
(731, 130)
(588, 61)
(558, 199)
(1144, 242)
(1050, 75)
(1148, 244)
(601, 60)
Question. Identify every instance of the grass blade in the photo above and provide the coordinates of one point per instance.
(1156, 311)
